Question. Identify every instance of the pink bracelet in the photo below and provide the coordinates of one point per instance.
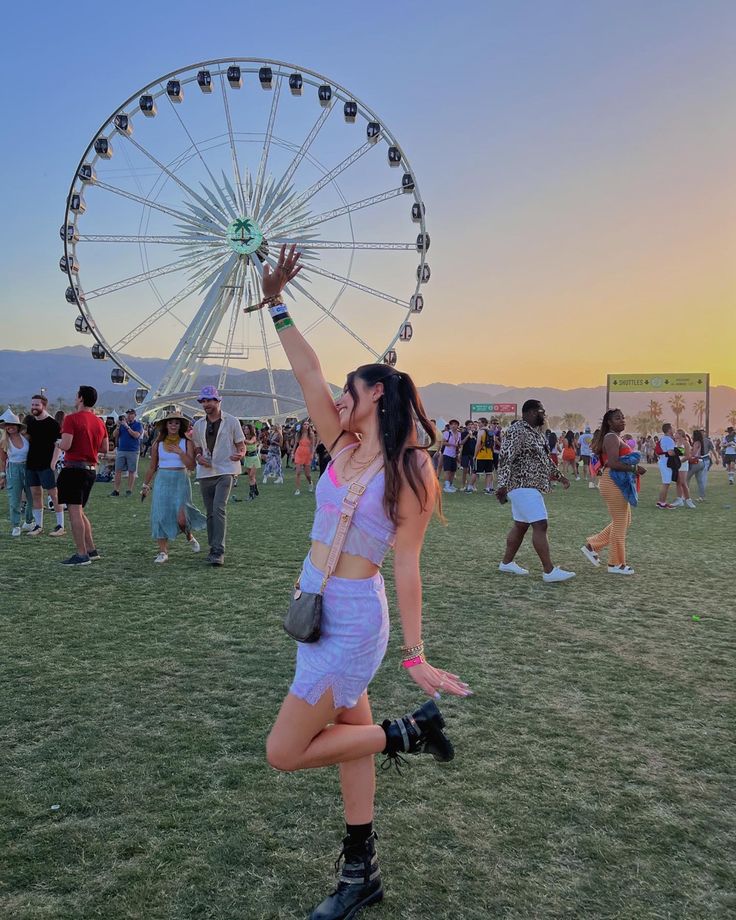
(412, 662)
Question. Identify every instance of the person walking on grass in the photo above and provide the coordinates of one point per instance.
(524, 475)
(306, 441)
(728, 449)
(83, 438)
(219, 446)
(665, 451)
(484, 454)
(468, 444)
(683, 447)
(273, 468)
(619, 485)
(252, 459)
(701, 460)
(172, 511)
(450, 445)
(130, 432)
(42, 431)
(326, 718)
(13, 455)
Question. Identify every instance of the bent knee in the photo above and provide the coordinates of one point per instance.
(279, 756)
(539, 525)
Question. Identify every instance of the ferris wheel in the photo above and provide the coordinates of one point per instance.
(193, 184)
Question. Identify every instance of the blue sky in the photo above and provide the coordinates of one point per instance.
(576, 158)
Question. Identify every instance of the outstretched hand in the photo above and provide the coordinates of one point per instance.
(274, 281)
(435, 681)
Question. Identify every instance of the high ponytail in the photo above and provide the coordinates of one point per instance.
(400, 412)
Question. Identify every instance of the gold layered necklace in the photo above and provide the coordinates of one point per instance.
(360, 466)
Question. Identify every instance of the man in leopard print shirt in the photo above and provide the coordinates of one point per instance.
(524, 474)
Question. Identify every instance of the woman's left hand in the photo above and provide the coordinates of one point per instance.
(435, 681)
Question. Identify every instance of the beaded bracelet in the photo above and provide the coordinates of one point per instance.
(411, 651)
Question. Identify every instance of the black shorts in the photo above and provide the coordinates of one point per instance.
(484, 466)
(44, 478)
(467, 462)
(495, 462)
(74, 486)
(449, 464)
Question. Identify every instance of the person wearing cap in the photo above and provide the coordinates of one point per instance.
(130, 431)
(172, 511)
(42, 431)
(13, 455)
(219, 446)
(586, 454)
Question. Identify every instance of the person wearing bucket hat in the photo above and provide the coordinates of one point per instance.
(13, 455)
(172, 511)
(219, 446)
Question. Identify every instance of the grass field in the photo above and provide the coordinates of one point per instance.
(594, 775)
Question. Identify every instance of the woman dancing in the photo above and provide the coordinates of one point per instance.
(172, 511)
(252, 460)
(326, 717)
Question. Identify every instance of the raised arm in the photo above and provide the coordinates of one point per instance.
(302, 357)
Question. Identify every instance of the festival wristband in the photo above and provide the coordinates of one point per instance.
(412, 662)
(283, 323)
(278, 309)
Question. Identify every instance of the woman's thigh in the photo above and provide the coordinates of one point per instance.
(360, 714)
(296, 726)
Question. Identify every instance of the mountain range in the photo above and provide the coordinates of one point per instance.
(61, 370)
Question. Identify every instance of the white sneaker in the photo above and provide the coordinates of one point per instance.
(468, 489)
(311, 487)
(195, 545)
(15, 532)
(297, 492)
(450, 488)
(591, 485)
(577, 479)
(162, 557)
(557, 574)
(513, 567)
(591, 555)
(28, 527)
(689, 503)
(677, 503)
(620, 570)
(279, 481)
(35, 531)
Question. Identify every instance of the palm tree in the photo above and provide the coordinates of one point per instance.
(699, 409)
(677, 404)
(655, 410)
(643, 424)
(572, 421)
(731, 418)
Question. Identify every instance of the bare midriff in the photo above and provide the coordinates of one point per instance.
(348, 566)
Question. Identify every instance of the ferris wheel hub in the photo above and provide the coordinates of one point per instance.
(244, 236)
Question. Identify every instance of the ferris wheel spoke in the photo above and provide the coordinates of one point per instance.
(148, 203)
(177, 266)
(298, 286)
(284, 181)
(218, 215)
(355, 284)
(339, 212)
(242, 201)
(142, 238)
(175, 110)
(305, 243)
(332, 174)
(264, 339)
(258, 187)
(237, 300)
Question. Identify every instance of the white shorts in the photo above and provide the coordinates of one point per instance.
(664, 471)
(684, 466)
(527, 506)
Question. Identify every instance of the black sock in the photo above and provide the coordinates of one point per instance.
(358, 833)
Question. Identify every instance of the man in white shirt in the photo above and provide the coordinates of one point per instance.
(219, 446)
(729, 453)
(667, 448)
(585, 454)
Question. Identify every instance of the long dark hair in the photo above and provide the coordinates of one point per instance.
(698, 439)
(399, 410)
(596, 445)
(163, 428)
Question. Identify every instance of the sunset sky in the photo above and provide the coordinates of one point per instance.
(577, 160)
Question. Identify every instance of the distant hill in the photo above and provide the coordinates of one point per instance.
(61, 370)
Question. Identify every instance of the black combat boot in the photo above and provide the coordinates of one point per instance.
(251, 493)
(358, 882)
(419, 733)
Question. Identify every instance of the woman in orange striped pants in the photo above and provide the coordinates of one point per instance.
(610, 447)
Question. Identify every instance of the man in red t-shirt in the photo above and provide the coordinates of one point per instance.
(83, 437)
